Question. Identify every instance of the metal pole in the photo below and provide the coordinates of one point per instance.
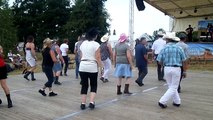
(131, 24)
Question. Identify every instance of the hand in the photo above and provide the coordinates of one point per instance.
(184, 75)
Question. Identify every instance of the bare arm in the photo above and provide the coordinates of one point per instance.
(114, 58)
(59, 53)
(129, 57)
(52, 54)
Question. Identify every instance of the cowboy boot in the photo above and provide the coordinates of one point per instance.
(119, 90)
(26, 75)
(32, 76)
(10, 104)
(126, 89)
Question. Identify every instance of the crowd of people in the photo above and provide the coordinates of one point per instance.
(169, 51)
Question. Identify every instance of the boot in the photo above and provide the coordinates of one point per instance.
(26, 75)
(56, 81)
(10, 104)
(126, 89)
(32, 76)
(119, 90)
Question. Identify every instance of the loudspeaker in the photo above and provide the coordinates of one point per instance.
(140, 5)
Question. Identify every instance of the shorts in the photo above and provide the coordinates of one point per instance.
(57, 67)
(3, 72)
(123, 70)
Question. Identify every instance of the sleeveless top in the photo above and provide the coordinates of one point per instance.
(47, 60)
(121, 53)
(54, 49)
(104, 51)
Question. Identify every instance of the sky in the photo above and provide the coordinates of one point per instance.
(145, 21)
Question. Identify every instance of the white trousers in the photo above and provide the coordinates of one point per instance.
(172, 76)
(107, 67)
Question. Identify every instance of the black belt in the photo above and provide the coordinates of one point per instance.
(172, 66)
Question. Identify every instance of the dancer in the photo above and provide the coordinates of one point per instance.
(122, 58)
(172, 57)
(47, 66)
(30, 58)
(88, 69)
(106, 56)
(57, 65)
(3, 77)
(64, 50)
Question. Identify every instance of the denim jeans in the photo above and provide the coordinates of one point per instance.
(77, 63)
(142, 72)
(66, 63)
(49, 73)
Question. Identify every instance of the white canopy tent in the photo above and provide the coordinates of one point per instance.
(184, 12)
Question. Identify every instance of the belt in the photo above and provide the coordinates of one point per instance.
(172, 66)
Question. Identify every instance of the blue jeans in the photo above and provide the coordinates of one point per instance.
(142, 72)
(77, 63)
(49, 73)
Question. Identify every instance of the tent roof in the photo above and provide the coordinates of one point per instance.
(173, 8)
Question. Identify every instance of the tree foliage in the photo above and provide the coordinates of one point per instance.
(40, 18)
(7, 30)
(85, 15)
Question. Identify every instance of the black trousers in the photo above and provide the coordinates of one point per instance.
(49, 73)
(181, 77)
(160, 70)
(85, 78)
(66, 63)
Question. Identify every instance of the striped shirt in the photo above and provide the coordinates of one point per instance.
(172, 55)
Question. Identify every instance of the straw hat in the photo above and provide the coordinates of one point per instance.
(105, 38)
(123, 38)
(171, 36)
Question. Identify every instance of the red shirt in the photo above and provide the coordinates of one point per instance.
(2, 63)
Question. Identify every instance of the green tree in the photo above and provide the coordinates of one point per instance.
(7, 30)
(85, 15)
(41, 18)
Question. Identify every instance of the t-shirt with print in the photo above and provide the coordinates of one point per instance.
(88, 60)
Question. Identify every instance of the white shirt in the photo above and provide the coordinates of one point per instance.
(88, 60)
(158, 45)
(63, 49)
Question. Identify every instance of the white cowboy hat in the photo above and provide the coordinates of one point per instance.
(171, 36)
(105, 38)
(161, 33)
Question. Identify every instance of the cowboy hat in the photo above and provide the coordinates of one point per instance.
(105, 38)
(160, 33)
(123, 38)
(171, 36)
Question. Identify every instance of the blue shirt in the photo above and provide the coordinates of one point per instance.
(140, 51)
(171, 55)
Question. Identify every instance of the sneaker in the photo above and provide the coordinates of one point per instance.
(26, 78)
(0, 101)
(92, 105)
(42, 92)
(65, 74)
(52, 94)
(33, 79)
(140, 84)
(57, 83)
(162, 105)
(83, 106)
(102, 79)
(106, 80)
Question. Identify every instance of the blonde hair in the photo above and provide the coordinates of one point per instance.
(47, 42)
